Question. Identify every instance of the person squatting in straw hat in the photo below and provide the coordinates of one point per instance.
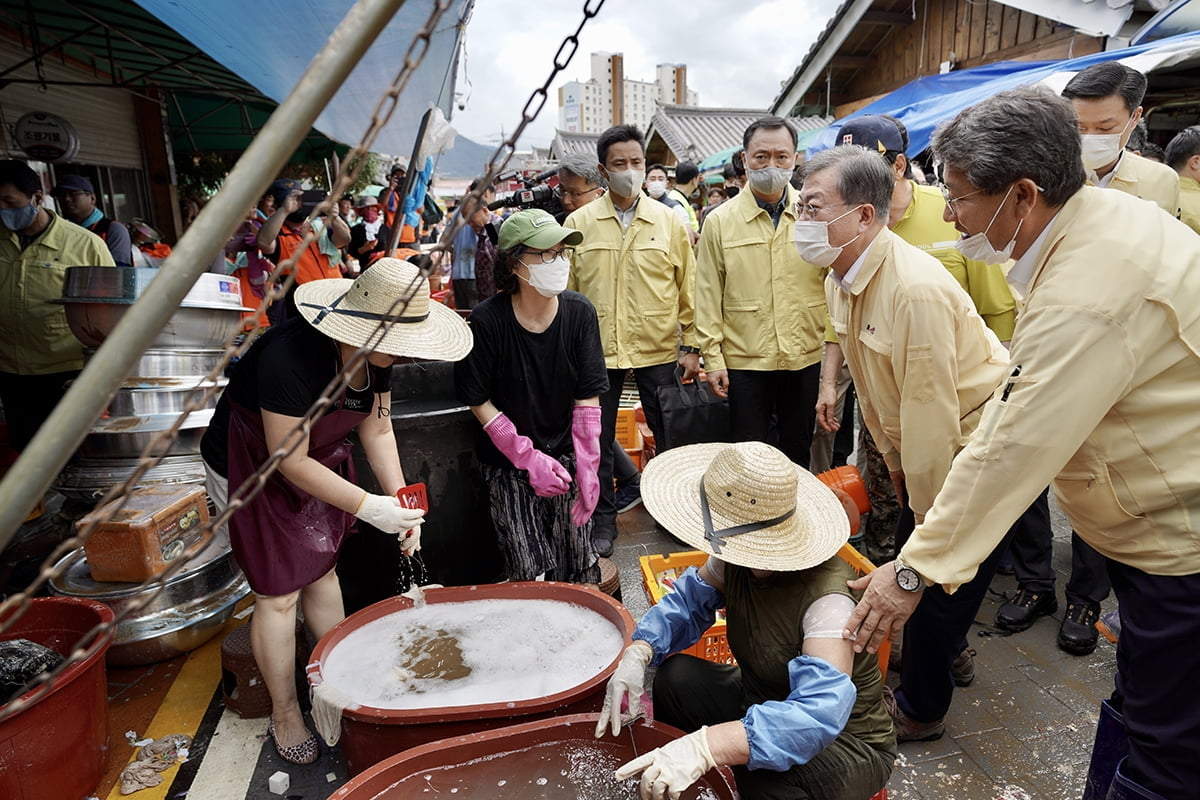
(286, 539)
(800, 715)
(534, 380)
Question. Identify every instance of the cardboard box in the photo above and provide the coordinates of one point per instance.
(157, 525)
(627, 430)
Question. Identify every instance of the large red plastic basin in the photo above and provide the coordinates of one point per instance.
(369, 734)
(398, 777)
(56, 749)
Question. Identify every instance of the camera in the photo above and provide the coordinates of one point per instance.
(536, 194)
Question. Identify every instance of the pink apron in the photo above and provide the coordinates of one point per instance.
(284, 538)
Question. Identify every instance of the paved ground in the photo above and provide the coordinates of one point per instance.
(1022, 731)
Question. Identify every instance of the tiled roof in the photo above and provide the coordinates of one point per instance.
(694, 134)
(568, 144)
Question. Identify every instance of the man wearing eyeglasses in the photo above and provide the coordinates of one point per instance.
(637, 267)
(924, 363)
(760, 310)
(579, 182)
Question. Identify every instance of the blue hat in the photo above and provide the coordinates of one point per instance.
(73, 183)
(872, 132)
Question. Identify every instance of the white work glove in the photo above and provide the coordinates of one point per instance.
(410, 541)
(629, 680)
(670, 769)
(386, 514)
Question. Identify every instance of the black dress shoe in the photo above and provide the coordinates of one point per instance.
(1023, 610)
(602, 543)
(1077, 635)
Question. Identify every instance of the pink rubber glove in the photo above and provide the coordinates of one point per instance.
(547, 477)
(585, 433)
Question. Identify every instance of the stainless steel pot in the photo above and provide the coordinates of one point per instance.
(170, 363)
(189, 327)
(190, 610)
(127, 284)
(162, 396)
(89, 479)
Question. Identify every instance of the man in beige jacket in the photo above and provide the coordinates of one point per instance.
(924, 363)
(1101, 400)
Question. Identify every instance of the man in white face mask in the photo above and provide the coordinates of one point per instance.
(637, 267)
(924, 363)
(760, 310)
(533, 379)
(1107, 98)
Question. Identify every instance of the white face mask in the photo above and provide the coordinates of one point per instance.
(1101, 149)
(977, 247)
(812, 240)
(769, 181)
(549, 279)
(626, 183)
(656, 189)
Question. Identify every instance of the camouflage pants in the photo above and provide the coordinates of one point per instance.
(879, 526)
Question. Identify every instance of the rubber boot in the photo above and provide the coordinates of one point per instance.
(1125, 789)
(1110, 747)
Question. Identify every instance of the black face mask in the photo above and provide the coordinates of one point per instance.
(731, 190)
(297, 217)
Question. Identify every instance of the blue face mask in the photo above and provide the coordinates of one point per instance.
(18, 219)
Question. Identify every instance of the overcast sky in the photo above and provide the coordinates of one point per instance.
(736, 52)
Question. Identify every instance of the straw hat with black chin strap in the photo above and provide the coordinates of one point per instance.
(350, 311)
(746, 504)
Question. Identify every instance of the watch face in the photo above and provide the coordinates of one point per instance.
(908, 579)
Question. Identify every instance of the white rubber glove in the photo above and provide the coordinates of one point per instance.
(670, 769)
(629, 680)
(386, 514)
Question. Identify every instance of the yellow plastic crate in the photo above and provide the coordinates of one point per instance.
(657, 571)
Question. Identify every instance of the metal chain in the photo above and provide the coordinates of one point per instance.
(198, 398)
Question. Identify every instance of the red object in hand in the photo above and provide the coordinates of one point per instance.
(414, 496)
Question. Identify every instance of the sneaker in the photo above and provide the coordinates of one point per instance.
(963, 668)
(602, 543)
(1110, 626)
(908, 729)
(1023, 610)
(1078, 635)
(627, 497)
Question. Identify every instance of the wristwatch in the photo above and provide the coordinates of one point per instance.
(907, 577)
(683, 348)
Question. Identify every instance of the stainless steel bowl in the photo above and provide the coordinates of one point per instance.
(170, 363)
(127, 284)
(190, 610)
(126, 437)
(189, 327)
(167, 397)
(89, 479)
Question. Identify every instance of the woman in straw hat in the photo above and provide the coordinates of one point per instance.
(534, 381)
(286, 539)
(800, 716)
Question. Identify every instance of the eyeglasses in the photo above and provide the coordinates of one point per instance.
(809, 210)
(549, 256)
(559, 191)
(950, 201)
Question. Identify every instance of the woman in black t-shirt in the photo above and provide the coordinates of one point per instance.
(533, 380)
(287, 537)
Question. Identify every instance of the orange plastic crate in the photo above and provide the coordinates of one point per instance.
(714, 645)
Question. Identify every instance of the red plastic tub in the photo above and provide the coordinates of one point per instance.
(57, 748)
(513, 759)
(369, 735)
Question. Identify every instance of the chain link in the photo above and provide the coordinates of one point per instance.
(280, 281)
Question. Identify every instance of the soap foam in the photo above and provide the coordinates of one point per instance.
(511, 650)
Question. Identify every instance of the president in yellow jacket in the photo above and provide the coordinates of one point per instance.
(1101, 400)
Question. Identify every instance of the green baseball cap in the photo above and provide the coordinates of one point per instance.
(537, 230)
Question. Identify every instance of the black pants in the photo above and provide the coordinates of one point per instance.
(648, 380)
(28, 400)
(690, 692)
(937, 631)
(788, 396)
(1032, 560)
(1157, 662)
(466, 295)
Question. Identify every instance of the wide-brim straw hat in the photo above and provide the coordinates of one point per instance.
(352, 311)
(764, 511)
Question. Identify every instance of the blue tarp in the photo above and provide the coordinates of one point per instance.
(926, 102)
(269, 44)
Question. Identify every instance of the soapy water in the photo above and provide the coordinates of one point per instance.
(571, 770)
(472, 653)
